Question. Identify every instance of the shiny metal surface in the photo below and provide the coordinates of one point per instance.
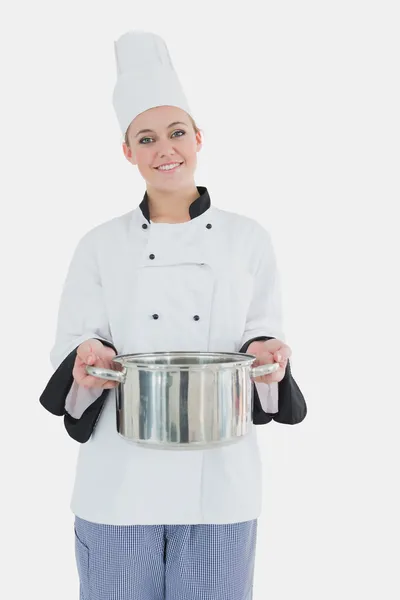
(183, 400)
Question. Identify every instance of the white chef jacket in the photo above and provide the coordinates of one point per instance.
(220, 267)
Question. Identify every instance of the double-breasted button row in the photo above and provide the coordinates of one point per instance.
(156, 316)
(145, 226)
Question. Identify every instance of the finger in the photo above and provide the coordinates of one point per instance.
(272, 378)
(89, 348)
(110, 384)
(282, 365)
(109, 352)
(81, 364)
(86, 355)
(89, 381)
(102, 359)
(79, 373)
(104, 383)
(266, 358)
(284, 353)
(91, 359)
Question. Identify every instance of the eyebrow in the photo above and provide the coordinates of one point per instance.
(170, 125)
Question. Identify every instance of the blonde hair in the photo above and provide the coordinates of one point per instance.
(196, 130)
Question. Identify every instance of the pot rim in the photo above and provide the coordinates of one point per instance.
(239, 359)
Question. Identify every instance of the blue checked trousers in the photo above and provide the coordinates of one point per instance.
(165, 562)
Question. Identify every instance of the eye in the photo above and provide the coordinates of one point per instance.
(145, 138)
(180, 131)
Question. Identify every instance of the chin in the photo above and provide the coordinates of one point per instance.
(170, 184)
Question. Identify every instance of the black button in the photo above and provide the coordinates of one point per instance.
(152, 257)
(208, 225)
(144, 226)
(196, 317)
(155, 316)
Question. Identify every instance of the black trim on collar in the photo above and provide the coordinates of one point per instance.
(197, 208)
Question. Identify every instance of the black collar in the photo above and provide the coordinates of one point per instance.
(197, 208)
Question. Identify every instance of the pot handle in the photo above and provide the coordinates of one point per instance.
(263, 370)
(109, 374)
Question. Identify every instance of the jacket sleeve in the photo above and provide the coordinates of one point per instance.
(264, 322)
(82, 315)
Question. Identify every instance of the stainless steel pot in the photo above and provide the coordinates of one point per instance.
(183, 400)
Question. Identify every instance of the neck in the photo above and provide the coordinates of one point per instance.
(171, 207)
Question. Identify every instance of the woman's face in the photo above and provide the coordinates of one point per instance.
(160, 136)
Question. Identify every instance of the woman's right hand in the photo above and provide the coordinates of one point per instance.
(95, 354)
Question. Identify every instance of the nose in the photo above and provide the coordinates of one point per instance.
(165, 148)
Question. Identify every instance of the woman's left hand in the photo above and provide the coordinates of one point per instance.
(268, 352)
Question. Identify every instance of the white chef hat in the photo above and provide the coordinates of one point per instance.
(145, 77)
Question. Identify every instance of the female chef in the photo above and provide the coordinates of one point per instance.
(175, 273)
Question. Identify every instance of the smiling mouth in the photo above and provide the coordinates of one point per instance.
(169, 168)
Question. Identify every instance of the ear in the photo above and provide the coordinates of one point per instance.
(128, 154)
(199, 141)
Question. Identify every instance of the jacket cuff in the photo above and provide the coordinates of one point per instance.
(292, 405)
(56, 391)
(81, 429)
(292, 408)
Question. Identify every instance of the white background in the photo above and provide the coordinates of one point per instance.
(299, 105)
